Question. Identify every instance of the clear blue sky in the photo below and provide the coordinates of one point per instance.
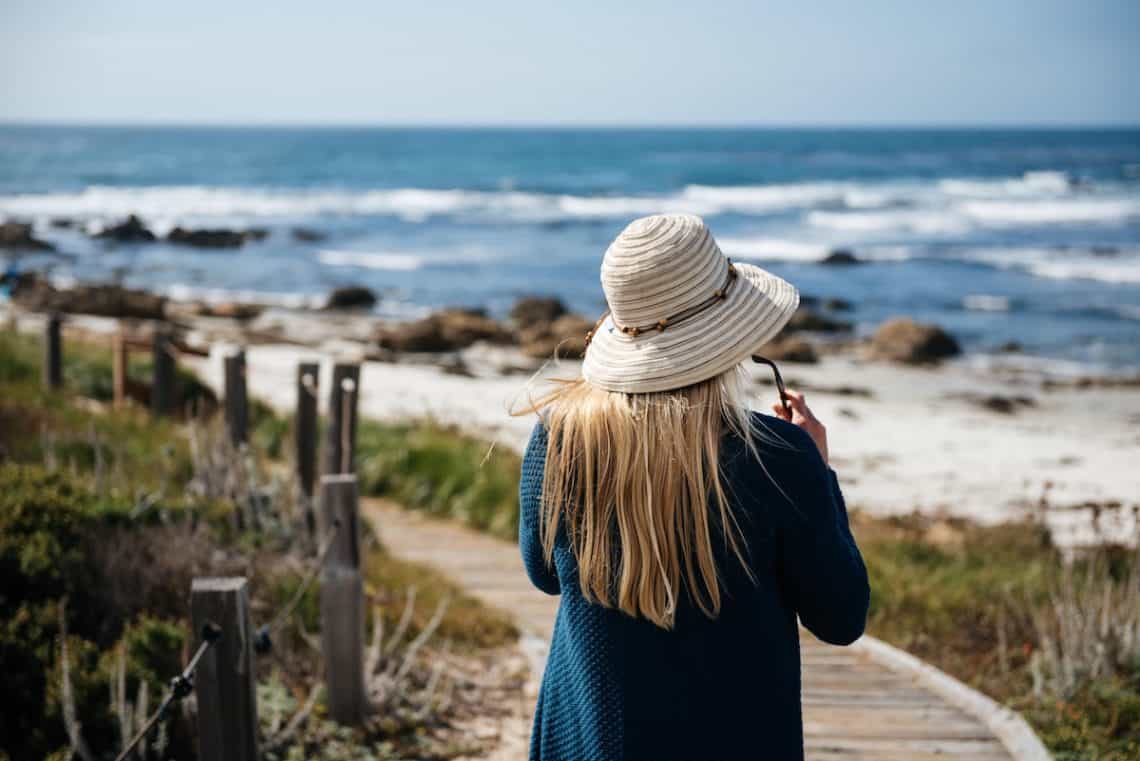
(583, 62)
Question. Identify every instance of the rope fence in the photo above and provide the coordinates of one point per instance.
(180, 686)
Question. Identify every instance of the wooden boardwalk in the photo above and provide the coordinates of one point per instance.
(855, 709)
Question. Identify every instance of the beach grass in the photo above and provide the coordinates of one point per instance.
(73, 474)
(427, 466)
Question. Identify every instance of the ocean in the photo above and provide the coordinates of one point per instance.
(1026, 236)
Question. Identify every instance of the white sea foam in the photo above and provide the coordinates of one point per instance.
(375, 261)
(1043, 212)
(1031, 184)
(984, 302)
(918, 221)
(1062, 264)
(772, 249)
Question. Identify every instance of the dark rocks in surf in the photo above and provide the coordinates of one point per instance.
(563, 338)
(448, 330)
(531, 310)
(18, 236)
(791, 349)
(307, 235)
(37, 294)
(841, 257)
(215, 237)
(130, 230)
(806, 320)
(830, 304)
(351, 297)
(906, 341)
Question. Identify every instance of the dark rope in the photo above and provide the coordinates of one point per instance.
(180, 686)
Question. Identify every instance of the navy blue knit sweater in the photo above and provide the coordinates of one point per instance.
(617, 687)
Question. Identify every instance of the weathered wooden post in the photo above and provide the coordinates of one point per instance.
(227, 701)
(162, 392)
(340, 442)
(342, 602)
(237, 400)
(305, 439)
(119, 367)
(340, 502)
(53, 352)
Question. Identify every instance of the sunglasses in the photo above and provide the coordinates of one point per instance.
(779, 382)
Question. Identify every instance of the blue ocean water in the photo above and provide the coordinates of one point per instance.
(1030, 236)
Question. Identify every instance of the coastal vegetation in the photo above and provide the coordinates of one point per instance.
(103, 524)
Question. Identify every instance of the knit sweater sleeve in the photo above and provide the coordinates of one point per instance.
(822, 567)
(530, 510)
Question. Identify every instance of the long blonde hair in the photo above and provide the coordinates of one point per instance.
(649, 466)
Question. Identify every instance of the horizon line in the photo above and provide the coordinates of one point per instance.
(584, 125)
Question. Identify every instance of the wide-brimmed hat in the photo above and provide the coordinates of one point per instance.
(680, 312)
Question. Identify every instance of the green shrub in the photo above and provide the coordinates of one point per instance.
(437, 469)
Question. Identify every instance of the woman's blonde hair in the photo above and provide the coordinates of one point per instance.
(644, 469)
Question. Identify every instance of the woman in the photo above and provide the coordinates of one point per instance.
(684, 533)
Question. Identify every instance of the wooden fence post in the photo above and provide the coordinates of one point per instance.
(236, 399)
(119, 367)
(342, 643)
(340, 502)
(53, 353)
(340, 443)
(162, 392)
(342, 602)
(224, 682)
(305, 440)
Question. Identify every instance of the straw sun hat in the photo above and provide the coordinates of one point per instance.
(680, 312)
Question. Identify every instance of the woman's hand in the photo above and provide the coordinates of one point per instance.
(802, 416)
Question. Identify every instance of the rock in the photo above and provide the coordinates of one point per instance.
(307, 235)
(448, 330)
(231, 310)
(791, 349)
(904, 340)
(537, 309)
(1004, 405)
(36, 294)
(215, 237)
(564, 338)
(809, 321)
(130, 230)
(351, 297)
(1010, 347)
(18, 235)
(841, 257)
(63, 223)
(837, 305)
